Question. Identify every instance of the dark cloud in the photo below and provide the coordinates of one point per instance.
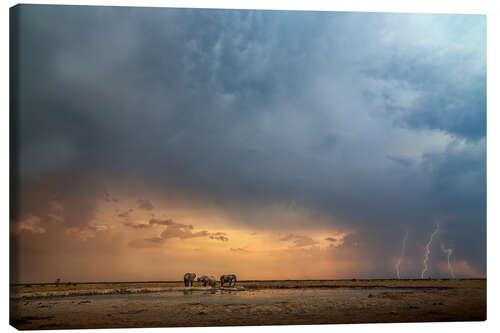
(137, 225)
(173, 230)
(109, 198)
(331, 239)
(182, 231)
(145, 204)
(299, 240)
(445, 102)
(369, 121)
(154, 221)
(126, 214)
(221, 236)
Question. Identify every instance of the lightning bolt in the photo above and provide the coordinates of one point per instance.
(402, 255)
(428, 251)
(448, 253)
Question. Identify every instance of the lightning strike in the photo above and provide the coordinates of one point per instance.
(428, 251)
(448, 253)
(398, 264)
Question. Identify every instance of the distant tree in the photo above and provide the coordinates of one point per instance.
(57, 282)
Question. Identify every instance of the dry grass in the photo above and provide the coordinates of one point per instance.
(28, 288)
(367, 284)
(420, 300)
(479, 283)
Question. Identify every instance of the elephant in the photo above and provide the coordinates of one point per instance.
(228, 278)
(188, 279)
(203, 279)
(210, 280)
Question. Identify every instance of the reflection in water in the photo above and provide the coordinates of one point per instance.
(217, 296)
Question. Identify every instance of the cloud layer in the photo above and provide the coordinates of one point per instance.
(290, 122)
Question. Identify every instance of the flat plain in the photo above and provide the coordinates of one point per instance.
(170, 304)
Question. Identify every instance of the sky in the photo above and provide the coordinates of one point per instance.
(150, 142)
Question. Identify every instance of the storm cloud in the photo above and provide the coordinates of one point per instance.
(176, 230)
(145, 204)
(299, 240)
(372, 124)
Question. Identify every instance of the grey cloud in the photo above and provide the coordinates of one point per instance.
(221, 236)
(446, 102)
(154, 221)
(287, 238)
(182, 231)
(126, 214)
(251, 109)
(145, 204)
(109, 198)
(137, 225)
(402, 161)
(299, 240)
(175, 230)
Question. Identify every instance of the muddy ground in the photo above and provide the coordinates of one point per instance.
(260, 303)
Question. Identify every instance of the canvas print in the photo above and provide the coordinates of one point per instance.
(216, 167)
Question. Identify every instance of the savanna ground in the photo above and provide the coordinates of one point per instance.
(169, 304)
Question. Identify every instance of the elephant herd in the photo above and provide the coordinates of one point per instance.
(209, 280)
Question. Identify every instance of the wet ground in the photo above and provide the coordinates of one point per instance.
(251, 307)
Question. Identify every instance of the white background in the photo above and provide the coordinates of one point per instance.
(421, 6)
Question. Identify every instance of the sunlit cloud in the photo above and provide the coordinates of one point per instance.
(31, 224)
